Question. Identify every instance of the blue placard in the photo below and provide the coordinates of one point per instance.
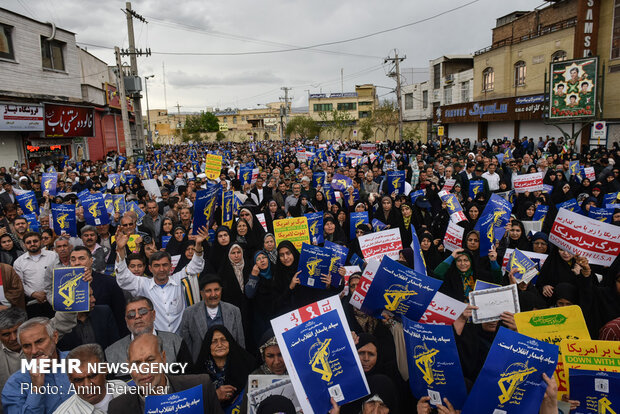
(452, 204)
(511, 380)
(596, 391)
(523, 264)
(487, 234)
(378, 225)
(95, 213)
(164, 241)
(28, 202)
(415, 194)
(245, 175)
(610, 198)
(500, 208)
(133, 206)
(33, 223)
(482, 285)
(109, 203)
(547, 188)
(601, 214)
(131, 179)
(355, 260)
(570, 205)
(325, 360)
(228, 199)
(339, 258)
(401, 290)
(118, 202)
(434, 366)
(540, 213)
(189, 401)
(315, 226)
(70, 291)
(355, 220)
(114, 180)
(49, 182)
(475, 187)
(573, 167)
(64, 219)
(318, 179)
(341, 182)
(395, 182)
(313, 262)
(204, 206)
(356, 195)
(330, 196)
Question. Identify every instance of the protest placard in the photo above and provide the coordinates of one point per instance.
(597, 241)
(293, 229)
(314, 261)
(570, 205)
(383, 243)
(510, 381)
(348, 271)
(448, 184)
(28, 202)
(454, 237)
(152, 187)
(395, 182)
(590, 355)
(492, 303)
(395, 288)
(64, 219)
(338, 259)
(95, 213)
(475, 187)
(443, 310)
(538, 258)
(315, 227)
(189, 401)
(525, 268)
(213, 166)
(263, 386)
(454, 206)
(540, 213)
(355, 219)
(433, 362)
(528, 182)
(482, 285)
(69, 290)
(49, 182)
(320, 355)
(204, 206)
(601, 214)
(597, 392)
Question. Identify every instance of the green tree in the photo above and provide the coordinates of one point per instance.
(365, 128)
(205, 122)
(336, 122)
(220, 136)
(303, 126)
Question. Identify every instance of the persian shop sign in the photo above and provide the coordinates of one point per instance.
(21, 117)
(69, 121)
(521, 108)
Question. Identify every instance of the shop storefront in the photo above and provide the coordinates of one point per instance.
(520, 116)
(18, 123)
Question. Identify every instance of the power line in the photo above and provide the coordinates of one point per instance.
(294, 49)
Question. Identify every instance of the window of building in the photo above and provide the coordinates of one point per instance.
(424, 99)
(365, 103)
(465, 91)
(224, 120)
(6, 42)
(615, 34)
(409, 101)
(364, 114)
(520, 70)
(447, 95)
(436, 76)
(558, 56)
(347, 106)
(323, 107)
(488, 79)
(234, 119)
(52, 54)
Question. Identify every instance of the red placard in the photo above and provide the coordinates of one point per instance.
(69, 121)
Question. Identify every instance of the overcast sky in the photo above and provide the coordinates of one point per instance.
(244, 81)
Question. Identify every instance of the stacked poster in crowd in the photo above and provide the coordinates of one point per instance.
(454, 206)
(528, 182)
(339, 257)
(355, 219)
(597, 241)
(95, 213)
(601, 214)
(320, 355)
(510, 381)
(390, 286)
(314, 261)
(204, 206)
(263, 386)
(453, 239)
(375, 246)
(133, 206)
(315, 227)
(70, 293)
(188, 401)
(434, 365)
(524, 267)
(552, 326)
(443, 310)
(538, 258)
(294, 229)
(597, 392)
(64, 219)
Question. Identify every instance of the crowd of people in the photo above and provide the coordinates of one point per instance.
(162, 290)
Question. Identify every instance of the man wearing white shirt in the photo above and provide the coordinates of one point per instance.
(492, 178)
(31, 268)
(165, 291)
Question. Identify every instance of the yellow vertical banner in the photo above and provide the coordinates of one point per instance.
(293, 229)
(213, 166)
(590, 355)
(553, 326)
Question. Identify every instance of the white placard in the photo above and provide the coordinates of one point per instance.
(492, 303)
(152, 187)
(454, 237)
(376, 245)
(528, 182)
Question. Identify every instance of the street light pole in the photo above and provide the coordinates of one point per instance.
(148, 115)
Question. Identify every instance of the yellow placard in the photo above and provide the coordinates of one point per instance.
(552, 326)
(293, 229)
(440, 131)
(213, 166)
(590, 355)
(131, 242)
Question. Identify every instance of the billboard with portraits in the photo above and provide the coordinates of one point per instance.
(572, 88)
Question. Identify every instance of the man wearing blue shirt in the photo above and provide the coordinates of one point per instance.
(30, 393)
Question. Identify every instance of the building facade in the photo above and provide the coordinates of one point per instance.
(356, 105)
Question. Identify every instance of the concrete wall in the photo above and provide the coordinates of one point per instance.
(26, 77)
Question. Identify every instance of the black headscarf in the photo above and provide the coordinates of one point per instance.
(174, 246)
(218, 253)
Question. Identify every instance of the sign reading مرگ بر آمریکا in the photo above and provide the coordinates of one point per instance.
(573, 89)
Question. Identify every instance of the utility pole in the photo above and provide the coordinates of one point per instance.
(179, 123)
(148, 115)
(396, 60)
(130, 14)
(120, 85)
(284, 114)
(163, 68)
